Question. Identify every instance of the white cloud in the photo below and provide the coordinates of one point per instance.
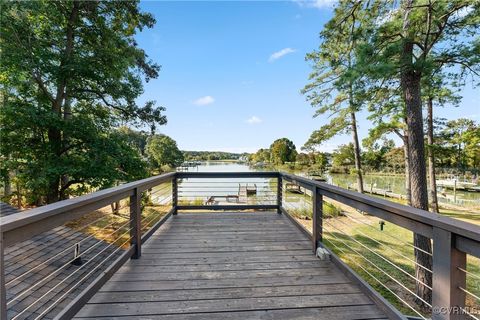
(319, 4)
(203, 101)
(254, 120)
(460, 14)
(277, 55)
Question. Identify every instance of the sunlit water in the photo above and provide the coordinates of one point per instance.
(394, 183)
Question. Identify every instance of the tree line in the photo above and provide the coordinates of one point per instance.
(399, 61)
(212, 155)
(283, 151)
(70, 75)
(457, 151)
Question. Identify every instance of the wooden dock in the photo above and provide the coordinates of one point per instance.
(229, 266)
(386, 193)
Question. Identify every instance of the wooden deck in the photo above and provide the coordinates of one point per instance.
(229, 266)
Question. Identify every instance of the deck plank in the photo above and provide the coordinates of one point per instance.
(229, 266)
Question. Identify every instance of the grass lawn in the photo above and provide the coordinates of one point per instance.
(113, 226)
(385, 259)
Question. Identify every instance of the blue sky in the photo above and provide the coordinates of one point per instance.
(232, 73)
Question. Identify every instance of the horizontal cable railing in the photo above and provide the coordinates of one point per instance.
(55, 257)
(227, 191)
(375, 238)
(79, 243)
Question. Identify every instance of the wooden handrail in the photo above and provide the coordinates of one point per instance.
(223, 175)
(247, 174)
(23, 225)
(452, 238)
(425, 220)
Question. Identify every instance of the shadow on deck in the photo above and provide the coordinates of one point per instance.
(229, 266)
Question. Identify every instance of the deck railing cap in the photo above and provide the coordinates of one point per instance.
(20, 219)
(456, 226)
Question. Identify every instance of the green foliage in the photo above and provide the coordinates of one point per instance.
(211, 155)
(163, 151)
(136, 139)
(374, 157)
(98, 157)
(262, 155)
(282, 150)
(71, 72)
(343, 158)
(459, 144)
(443, 33)
(337, 84)
(330, 210)
(302, 158)
(395, 160)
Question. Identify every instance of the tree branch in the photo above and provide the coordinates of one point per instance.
(43, 87)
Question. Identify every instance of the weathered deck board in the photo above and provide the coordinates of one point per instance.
(229, 266)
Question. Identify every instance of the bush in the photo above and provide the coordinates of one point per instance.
(330, 211)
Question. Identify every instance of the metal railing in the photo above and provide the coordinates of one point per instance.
(453, 240)
(226, 191)
(100, 243)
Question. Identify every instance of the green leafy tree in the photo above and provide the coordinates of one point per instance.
(101, 157)
(211, 155)
(71, 72)
(302, 158)
(320, 160)
(136, 139)
(411, 37)
(395, 160)
(436, 90)
(374, 156)
(163, 151)
(282, 150)
(262, 155)
(337, 84)
(343, 158)
(460, 141)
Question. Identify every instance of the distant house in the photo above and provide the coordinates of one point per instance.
(39, 272)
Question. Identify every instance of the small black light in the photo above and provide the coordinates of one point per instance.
(77, 257)
(381, 223)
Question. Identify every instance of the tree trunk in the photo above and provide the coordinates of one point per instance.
(67, 114)
(54, 134)
(356, 147)
(7, 187)
(410, 81)
(19, 195)
(53, 194)
(431, 158)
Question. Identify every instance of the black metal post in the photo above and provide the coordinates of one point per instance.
(136, 223)
(3, 288)
(174, 195)
(279, 194)
(317, 200)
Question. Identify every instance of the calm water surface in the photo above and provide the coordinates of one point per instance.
(394, 183)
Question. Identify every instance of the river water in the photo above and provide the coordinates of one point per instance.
(395, 183)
